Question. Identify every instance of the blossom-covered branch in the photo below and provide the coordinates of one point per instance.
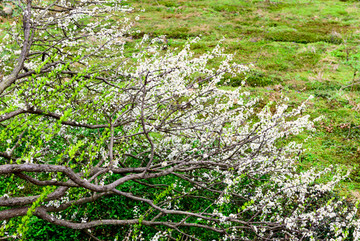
(83, 120)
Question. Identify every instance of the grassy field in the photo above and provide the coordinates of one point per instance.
(298, 48)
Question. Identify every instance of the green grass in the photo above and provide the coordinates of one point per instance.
(307, 47)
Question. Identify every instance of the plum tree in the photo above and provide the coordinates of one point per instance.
(88, 117)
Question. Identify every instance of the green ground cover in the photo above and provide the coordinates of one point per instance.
(298, 48)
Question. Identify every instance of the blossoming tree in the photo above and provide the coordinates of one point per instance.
(83, 120)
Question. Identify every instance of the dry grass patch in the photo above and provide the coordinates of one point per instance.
(202, 28)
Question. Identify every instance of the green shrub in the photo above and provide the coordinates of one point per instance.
(226, 8)
(297, 36)
(323, 86)
(168, 4)
(254, 78)
(179, 33)
(292, 36)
